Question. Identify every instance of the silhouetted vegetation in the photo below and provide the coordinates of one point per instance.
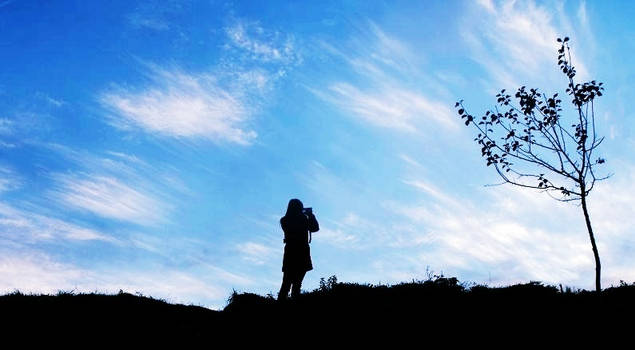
(532, 145)
(439, 305)
(81, 316)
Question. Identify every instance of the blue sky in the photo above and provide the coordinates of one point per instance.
(152, 146)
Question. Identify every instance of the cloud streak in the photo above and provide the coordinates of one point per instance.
(215, 104)
(37, 272)
(182, 105)
(518, 235)
(261, 44)
(384, 93)
(391, 107)
(6, 126)
(115, 185)
(516, 41)
(256, 253)
(110, 198)
(25, 227)
(9, 180)
(498, 235)
(157, 15)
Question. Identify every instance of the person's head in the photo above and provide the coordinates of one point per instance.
(295, 207)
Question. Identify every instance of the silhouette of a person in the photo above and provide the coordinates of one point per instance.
(297, 224)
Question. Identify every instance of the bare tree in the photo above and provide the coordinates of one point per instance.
(532, 145)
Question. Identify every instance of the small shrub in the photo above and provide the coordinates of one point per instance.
(327, 285)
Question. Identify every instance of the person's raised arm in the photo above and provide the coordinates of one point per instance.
(313, 224)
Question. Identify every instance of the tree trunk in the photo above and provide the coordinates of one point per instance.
(598, 267)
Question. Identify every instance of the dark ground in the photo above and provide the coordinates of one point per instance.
(439, 309)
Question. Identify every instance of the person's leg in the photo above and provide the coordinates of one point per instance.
(286, 285)
(297, 284)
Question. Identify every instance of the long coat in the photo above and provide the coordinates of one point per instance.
(297, 253)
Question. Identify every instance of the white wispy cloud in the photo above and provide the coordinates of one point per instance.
(354, 232)
(391, 107)
(387, 90)
(173, 285)
(141, 20)
(217, 103)
(121, 165)
(110, 198)
(342, 233)
(51, 101)
(263, 45)
(432, 191)
(5, 126)
(27, 227)
(610, 208)
(131, 158)
(120, 188)
(518, 235)
(499, 235)
(9, 179)
(187, 252)
(257, 253)
(182, 105)
(516, 41)
(38, 272)
(410, 161)
(391, 52)
(488, 5)
(156, 14)
(172, 269)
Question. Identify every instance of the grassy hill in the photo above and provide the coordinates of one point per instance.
(436, 307)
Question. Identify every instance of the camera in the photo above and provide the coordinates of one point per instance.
(307, 211)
